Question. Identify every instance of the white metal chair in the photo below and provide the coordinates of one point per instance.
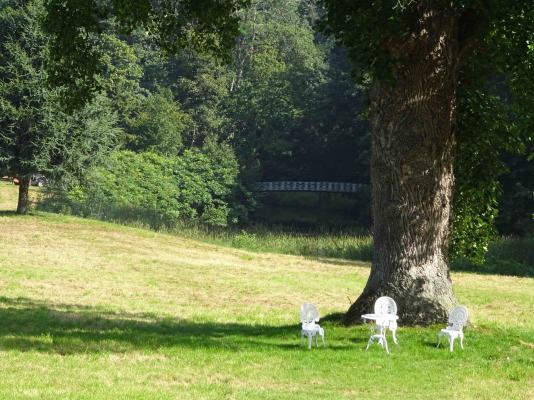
(457, 320)
(309, 316)
(387, 307)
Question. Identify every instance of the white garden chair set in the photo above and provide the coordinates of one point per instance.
(385, 318)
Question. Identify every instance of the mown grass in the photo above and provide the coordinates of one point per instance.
(506, 256)
(93, 310)
(350, 243)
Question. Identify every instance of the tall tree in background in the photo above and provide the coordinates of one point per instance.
(276, 68)
(294, 108)
(415, 51)
(35, 136)
(22, 93)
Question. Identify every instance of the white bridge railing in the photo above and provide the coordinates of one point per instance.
(301, 186)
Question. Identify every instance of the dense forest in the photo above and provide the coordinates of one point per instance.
(181, 137)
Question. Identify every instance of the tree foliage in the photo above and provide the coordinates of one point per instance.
(23, 99)
(73, 25)
(156, 189)
(35, 135)
(495, 99)
(159, 125)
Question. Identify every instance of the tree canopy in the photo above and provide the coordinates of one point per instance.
(36, 135)
(75, 61)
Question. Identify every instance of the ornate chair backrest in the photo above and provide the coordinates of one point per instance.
(308, 313)
(385, 305)
(458, 318)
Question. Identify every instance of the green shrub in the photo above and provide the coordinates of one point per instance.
(505, 256)
(154, 189)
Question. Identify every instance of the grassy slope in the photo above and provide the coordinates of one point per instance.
(95, 310)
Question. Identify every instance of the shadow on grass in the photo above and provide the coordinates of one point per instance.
(363, 263)
(29, 325)
(444, 344)
(334, 319)
(8, 213)
(65, 329)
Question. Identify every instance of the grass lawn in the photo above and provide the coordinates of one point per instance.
(93, 310)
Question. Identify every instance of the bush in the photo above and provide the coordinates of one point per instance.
(505, 256)
(154, 189)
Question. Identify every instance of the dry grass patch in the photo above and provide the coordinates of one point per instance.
(107, 268)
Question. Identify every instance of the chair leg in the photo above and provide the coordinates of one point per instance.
(385, 344)
(316, 345)
(439, 339)
(394, 334)
(451, 343)
(309, 342)
(462, 340)
(369, 342)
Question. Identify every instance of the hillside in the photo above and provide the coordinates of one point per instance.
(97, 310)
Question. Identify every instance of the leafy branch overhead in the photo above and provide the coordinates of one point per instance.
(377, 32)
(205, 25)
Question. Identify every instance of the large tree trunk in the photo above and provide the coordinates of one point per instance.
(413, 120)
(24, 185)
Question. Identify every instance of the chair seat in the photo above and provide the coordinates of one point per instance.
(313, 329)
(450, 332)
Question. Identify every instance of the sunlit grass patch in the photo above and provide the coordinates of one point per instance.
(96, 310)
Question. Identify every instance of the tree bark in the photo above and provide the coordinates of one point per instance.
(24, 185)
(413, 123)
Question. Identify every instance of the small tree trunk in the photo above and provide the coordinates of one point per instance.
(411, 173)
(24, 185)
